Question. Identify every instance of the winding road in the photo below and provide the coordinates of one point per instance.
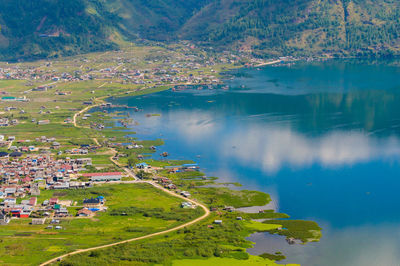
(204, 216)
(130, 173)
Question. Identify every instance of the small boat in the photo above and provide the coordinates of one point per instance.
(164, 154)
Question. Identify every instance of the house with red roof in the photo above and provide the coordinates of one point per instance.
(53, 201)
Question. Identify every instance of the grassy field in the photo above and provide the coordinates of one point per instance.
(252, 260)
(133, 209)
(207, 243)
(204, 243)
(19, 238)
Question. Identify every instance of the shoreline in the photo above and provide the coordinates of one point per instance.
(202, 195)
(248, 209)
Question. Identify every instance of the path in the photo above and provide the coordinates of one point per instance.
(130, 173)
(9, 145)
(80, 112)
(268, 63)
(205, 215)
(96, 141)
(126, 169)
(102, 85)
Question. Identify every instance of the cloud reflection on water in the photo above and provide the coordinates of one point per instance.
(272, 147)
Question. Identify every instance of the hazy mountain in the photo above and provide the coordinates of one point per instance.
(265, 27)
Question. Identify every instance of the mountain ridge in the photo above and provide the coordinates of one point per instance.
(50, 28)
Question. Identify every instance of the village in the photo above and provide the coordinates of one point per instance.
(23, 178)
(188, 65)
(167, 70)
(68, 159)
(25, 172)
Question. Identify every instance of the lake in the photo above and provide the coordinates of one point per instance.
(323, 138)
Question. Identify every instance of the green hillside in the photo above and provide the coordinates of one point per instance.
(32, 29)
(355, 27)
(154, 19)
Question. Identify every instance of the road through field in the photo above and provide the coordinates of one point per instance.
(204, 216)
(130, 173)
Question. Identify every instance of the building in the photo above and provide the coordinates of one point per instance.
(92, 202)
(8, 98)
(142, 166)
(85, 212)
(53, 201)
(32, 201)
(38, 221)
(25, 213)
(43, 122)
(61, 212)
(102, 177)
(186, 205)
(185, 194)
(10, 191)
(35, 191)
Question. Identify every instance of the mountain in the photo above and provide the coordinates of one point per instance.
(154, 19)
(270, 27)
(45, 28)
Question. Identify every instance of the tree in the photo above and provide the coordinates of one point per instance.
(143, 175)
(132, 160)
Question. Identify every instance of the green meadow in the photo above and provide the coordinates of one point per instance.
(19, 238)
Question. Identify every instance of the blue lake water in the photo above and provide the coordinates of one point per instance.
(322, 138)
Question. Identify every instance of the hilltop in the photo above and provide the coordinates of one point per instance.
(48, 28)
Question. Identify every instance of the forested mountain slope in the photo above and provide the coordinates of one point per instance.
(154, 19)
(47, 27)
(41, 28)
(33, 29)
(355, 27)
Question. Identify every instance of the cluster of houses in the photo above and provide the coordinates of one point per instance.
(53, 208)
(5, 122)
(167, 183)
(186, 67)
(183, 168)
(24, 209)
(42, 169)
(24, 177)
(92, 206)
(4, 142)
(23, 145)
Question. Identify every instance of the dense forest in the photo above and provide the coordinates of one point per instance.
(342, 27)
(34, 29)
(46, 28)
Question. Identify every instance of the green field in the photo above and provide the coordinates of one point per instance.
(133, 209)
(252, 260)
(19, 238)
